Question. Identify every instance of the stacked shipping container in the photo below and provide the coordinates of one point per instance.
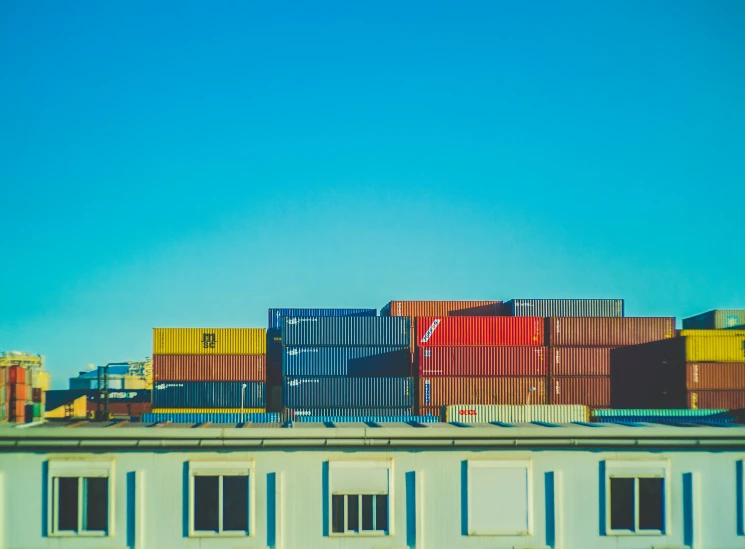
(21, 400)
(210, 369)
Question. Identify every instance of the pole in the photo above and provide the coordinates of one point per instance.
(243, 390)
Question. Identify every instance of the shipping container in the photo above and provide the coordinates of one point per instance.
(19, 391)
(517, 414)
(715, 320)
(436, 411)
(16, 374)
(43, 381)
(132, 409)
(715, 375)
(209, 394)
(446, 391)
(607, 332)
(208, 410)
(56, 398)
(479, 330)
(727, 400)
(276, 315)
(655, 412)
(226, 418)
(346, 361)
(209, 341)
(346, 392)
(730, 332)
(482, 361)
(209, 367)
(579, 361)
(35, 394)
(367, 419)
(413, 309)
(17, 410)
(565, 307)
(274, 357)
(592, 391)
(294, 413)
(346, 331)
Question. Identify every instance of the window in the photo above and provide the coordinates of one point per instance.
(636, 500)
(220, 501)
(80, 498)
(360, 492)
(500, 498)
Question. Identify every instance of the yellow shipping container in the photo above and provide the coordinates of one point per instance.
(712, 333)
(209, 341)
(208, 410)
(715, 349)
(43, 381)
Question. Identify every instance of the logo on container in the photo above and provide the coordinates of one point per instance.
(427, 392)
(432, 328)
(731, 321)
(293, 352)
(123, 394)
(297, 382)
(427, 353)
(557, 388)
(160, 386)
(695, 373)
(467, 412)
(208, 341)
(300, 413)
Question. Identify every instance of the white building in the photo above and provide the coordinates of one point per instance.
(358, 486)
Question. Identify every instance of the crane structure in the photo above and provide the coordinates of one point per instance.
(17, 358)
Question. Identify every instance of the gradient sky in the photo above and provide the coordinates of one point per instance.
(189, 164)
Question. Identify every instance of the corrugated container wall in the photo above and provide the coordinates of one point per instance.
(517, 414)
(294, 413)
(607, 332)
(209, 341)
(593, 391)
(276, 315)
(346, 361)
(349, 331)
(715, 349)
(479, 330)
(367, 419)
(654, 412)
(715, 320)
(414, 309)
(207, 394)
(211, 418)
(483, 361)
(579, 361)
(208, 410)
(209, 367)
(715, 375)
(348, 392)
(729, 400)
(729, 332)
(564, 307)
(445, 391)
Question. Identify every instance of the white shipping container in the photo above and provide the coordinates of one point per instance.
(568, 413)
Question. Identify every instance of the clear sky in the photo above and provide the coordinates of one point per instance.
(194, 163)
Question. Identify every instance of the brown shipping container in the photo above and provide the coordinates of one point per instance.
(718, 400)
(133, 409)
(579, 361)
(431, 411)
(482, 361)
(715, 375)
(445, 391)
(209, 368)
(607, 331)
(593, 391)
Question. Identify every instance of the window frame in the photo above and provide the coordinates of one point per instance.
(489, 463)
(638, 469)
(360, 464)
(80, 469)
(221, 469)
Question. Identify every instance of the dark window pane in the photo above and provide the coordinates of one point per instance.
(235, 503)
(367, 512)
(96, 503)
(337, 513)
(67, 501)
(622, 503)
(353, 513)
(651, 504)
(206, 504)
(381, 512)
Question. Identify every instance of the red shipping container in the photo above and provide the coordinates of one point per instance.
(132, 409)
(479, 330)
(19, 391)
(607, 331)
(209, 368)
(715, 375)
(36, 394)
(483, 361)
(593, 391)
(718, 400)
(16, 374)
(579, 361)
(445, 391)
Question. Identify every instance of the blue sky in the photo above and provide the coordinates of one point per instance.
(183, 164)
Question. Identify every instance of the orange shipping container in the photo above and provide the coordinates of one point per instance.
(446, 391)
(19, 391)
(722, 400)
(715, 375)
(592, 391)
(209, 367)
(579, 361)
(607, 331)
(17, 411)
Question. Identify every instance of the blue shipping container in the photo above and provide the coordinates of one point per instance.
(379, 331)
(296, 413)
(368, 419)
(346, 392)
(59, 398)
(208, 394)
(211, 418)
(693, 420)
(346, 361)
(276, 315)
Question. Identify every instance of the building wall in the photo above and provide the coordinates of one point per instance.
(428, 502)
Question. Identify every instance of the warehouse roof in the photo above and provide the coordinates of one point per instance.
(115, 434)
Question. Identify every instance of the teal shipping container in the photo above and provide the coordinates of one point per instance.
(718, 319)
(380, 331)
